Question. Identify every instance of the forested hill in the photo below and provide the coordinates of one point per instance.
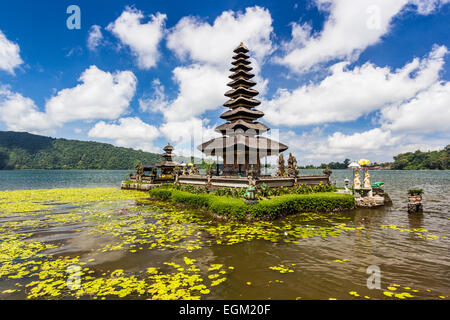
(21, 150)
(423, 160)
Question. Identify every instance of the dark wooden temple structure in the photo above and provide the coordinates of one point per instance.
(167, 172)
(241, 145)
(167, 166)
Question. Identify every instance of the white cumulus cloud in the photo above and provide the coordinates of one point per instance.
(428, 112)
(428, 6)
(9, 54)
(142, 38)
(377, 144)
(157, 102)
(127, 132)
(95, 37)
(347, 94)
(370, 140)
(20, 113)
(201, 88)
(213, 44)
(100, 95)
(182, 133)
(208, 49)
(351, 26)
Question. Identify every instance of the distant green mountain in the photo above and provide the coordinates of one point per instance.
(423, 160)
(21, 150)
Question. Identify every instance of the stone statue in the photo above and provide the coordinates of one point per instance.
(295, 167)
(139, 172)
(280, 172)
(251, 171)
(176, 172)
(193, 171)
(327, 171)
(292, 166)
(346, 183)
(356, 181)
(153, 173)
(185, 171)
(367, 179)
(251, 181)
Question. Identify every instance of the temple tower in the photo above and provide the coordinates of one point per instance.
(241, 144)
(167, 166)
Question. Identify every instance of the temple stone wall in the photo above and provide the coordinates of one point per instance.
(242, 182)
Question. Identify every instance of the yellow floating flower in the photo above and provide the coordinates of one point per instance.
(392, 288)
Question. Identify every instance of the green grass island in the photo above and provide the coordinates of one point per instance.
(232, 206)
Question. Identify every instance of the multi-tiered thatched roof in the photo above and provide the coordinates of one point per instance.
(240, 141)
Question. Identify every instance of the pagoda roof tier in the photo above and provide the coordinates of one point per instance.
(241, 134)
(241, 55)
(241, 67)
(249, 128)
(241, 73)
(166, 164)
(241, 101)
(241, 111)
(167, 155)
(241, 91)
(220, 146)
(241, 48)
(241, 82)
(168, 148)
(240, 61)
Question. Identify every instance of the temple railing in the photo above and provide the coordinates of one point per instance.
(238, 182)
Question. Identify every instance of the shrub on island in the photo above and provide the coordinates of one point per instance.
(263, 192)
(294, 203)
(265, 210)
(161, 193)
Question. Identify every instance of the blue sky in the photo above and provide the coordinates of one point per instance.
(337, 78)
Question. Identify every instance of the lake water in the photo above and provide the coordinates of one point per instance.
(303, 256)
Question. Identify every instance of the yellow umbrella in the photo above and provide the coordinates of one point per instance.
(190, 164)
(363, 162)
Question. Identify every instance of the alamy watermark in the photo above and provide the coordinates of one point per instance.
(374, 17)
(374, 280)
(74, 280)
(74, 20)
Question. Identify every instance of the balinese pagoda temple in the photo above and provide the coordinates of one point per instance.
(168, 165)
(241, 144)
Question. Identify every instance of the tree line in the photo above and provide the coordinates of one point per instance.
(21, 150)
(418, 160)
(436, 160)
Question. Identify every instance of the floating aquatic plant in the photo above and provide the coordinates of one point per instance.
(130, 224)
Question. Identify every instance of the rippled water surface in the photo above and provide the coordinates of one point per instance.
(129, 247)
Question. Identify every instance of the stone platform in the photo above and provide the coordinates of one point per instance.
(371, 198)
(226, 181)
(242, 182)
(139, 186)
